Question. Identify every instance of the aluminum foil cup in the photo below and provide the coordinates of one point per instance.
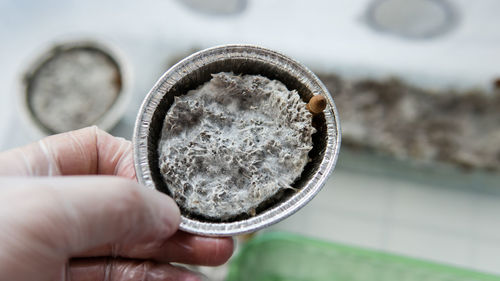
(195, 70)
(113, 114)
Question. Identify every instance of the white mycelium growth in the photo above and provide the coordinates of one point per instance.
(233, 143)
(74, 89)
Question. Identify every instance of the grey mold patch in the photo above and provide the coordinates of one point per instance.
(415, 19)
(216, 7)
(234, 143)
(456, 127)
(73, 89)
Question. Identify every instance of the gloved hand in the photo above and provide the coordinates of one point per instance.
(89, 220)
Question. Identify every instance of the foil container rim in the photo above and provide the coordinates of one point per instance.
(257, 53)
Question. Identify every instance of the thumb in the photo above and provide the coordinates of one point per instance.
(47, 220)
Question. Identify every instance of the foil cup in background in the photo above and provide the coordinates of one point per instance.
(112, 115)
(194, 71)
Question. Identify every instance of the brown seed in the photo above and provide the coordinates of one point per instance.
(496, 83)
(316, 104)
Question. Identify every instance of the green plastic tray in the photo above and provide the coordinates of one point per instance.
(283, 256)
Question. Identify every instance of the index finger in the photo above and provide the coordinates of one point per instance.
(181, 248)
(81, 152)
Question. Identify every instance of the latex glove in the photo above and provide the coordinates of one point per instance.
(83, 227)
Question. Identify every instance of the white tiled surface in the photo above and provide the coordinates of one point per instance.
(487, 256)
(438, 223)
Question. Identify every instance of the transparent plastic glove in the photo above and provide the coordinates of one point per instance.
(88, 221)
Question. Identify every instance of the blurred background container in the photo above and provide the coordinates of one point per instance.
(433, 211)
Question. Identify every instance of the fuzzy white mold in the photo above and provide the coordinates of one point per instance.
(74, 88)
(234, 143)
